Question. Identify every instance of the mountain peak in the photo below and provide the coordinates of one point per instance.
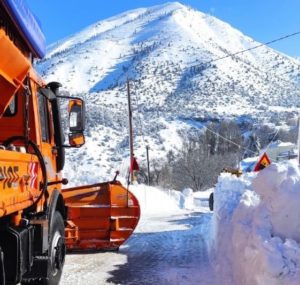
(168, 52)
(158, 35)
(172, 4)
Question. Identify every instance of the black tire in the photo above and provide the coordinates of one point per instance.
(211, 201)
(56, 254)
(57, 249)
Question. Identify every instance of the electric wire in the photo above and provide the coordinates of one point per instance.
(272, 140)
(219, 59)
(228, 140)
(229, 54)
(251, 48)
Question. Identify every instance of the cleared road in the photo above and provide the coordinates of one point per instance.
(165, 250)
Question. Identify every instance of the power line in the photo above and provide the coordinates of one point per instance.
(234, 54)
(272, 140)
(228, 140)
(251, 48)
(215, 133)
(222, 58)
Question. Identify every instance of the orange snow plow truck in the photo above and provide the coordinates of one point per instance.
(40, 221)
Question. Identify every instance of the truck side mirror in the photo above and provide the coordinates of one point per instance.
(76, 115)
(76, 122)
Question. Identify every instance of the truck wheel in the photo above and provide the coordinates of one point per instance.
(57, 249)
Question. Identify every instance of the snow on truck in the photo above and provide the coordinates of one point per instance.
(40, 221)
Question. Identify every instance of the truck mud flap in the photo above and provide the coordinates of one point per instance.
(100, 217)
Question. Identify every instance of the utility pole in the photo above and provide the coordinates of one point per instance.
(130, 129)
(148, 164)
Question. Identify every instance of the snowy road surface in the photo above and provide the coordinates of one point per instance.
(165, 249)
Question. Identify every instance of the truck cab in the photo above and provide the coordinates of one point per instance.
(32, 155)
(39, 220)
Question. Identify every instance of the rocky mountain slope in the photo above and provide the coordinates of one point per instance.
(168, 54)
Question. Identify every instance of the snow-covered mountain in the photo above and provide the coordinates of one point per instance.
(168, 54)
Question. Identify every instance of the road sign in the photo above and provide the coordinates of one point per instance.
(263, 162)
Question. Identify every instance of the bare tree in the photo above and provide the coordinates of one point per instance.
(202, 158)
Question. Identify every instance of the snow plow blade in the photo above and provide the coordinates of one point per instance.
(100, 217)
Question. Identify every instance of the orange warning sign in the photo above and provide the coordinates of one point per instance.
(262, 163)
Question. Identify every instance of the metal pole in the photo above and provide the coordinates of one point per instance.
(148, 164)
(130, 129)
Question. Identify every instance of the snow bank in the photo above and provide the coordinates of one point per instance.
(256, 227)
(188, 199)
(155, 201)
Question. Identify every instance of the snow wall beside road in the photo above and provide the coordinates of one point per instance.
(256, 227)
(155, 201)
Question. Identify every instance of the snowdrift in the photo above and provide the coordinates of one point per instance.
(157, 201)
(256, 227)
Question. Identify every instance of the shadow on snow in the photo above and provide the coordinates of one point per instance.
(168, 257)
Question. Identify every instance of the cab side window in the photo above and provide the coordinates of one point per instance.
(12, 108)
(44, 118)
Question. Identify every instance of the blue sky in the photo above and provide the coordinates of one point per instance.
(263, 20)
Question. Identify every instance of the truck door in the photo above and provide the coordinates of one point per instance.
(47, 136)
